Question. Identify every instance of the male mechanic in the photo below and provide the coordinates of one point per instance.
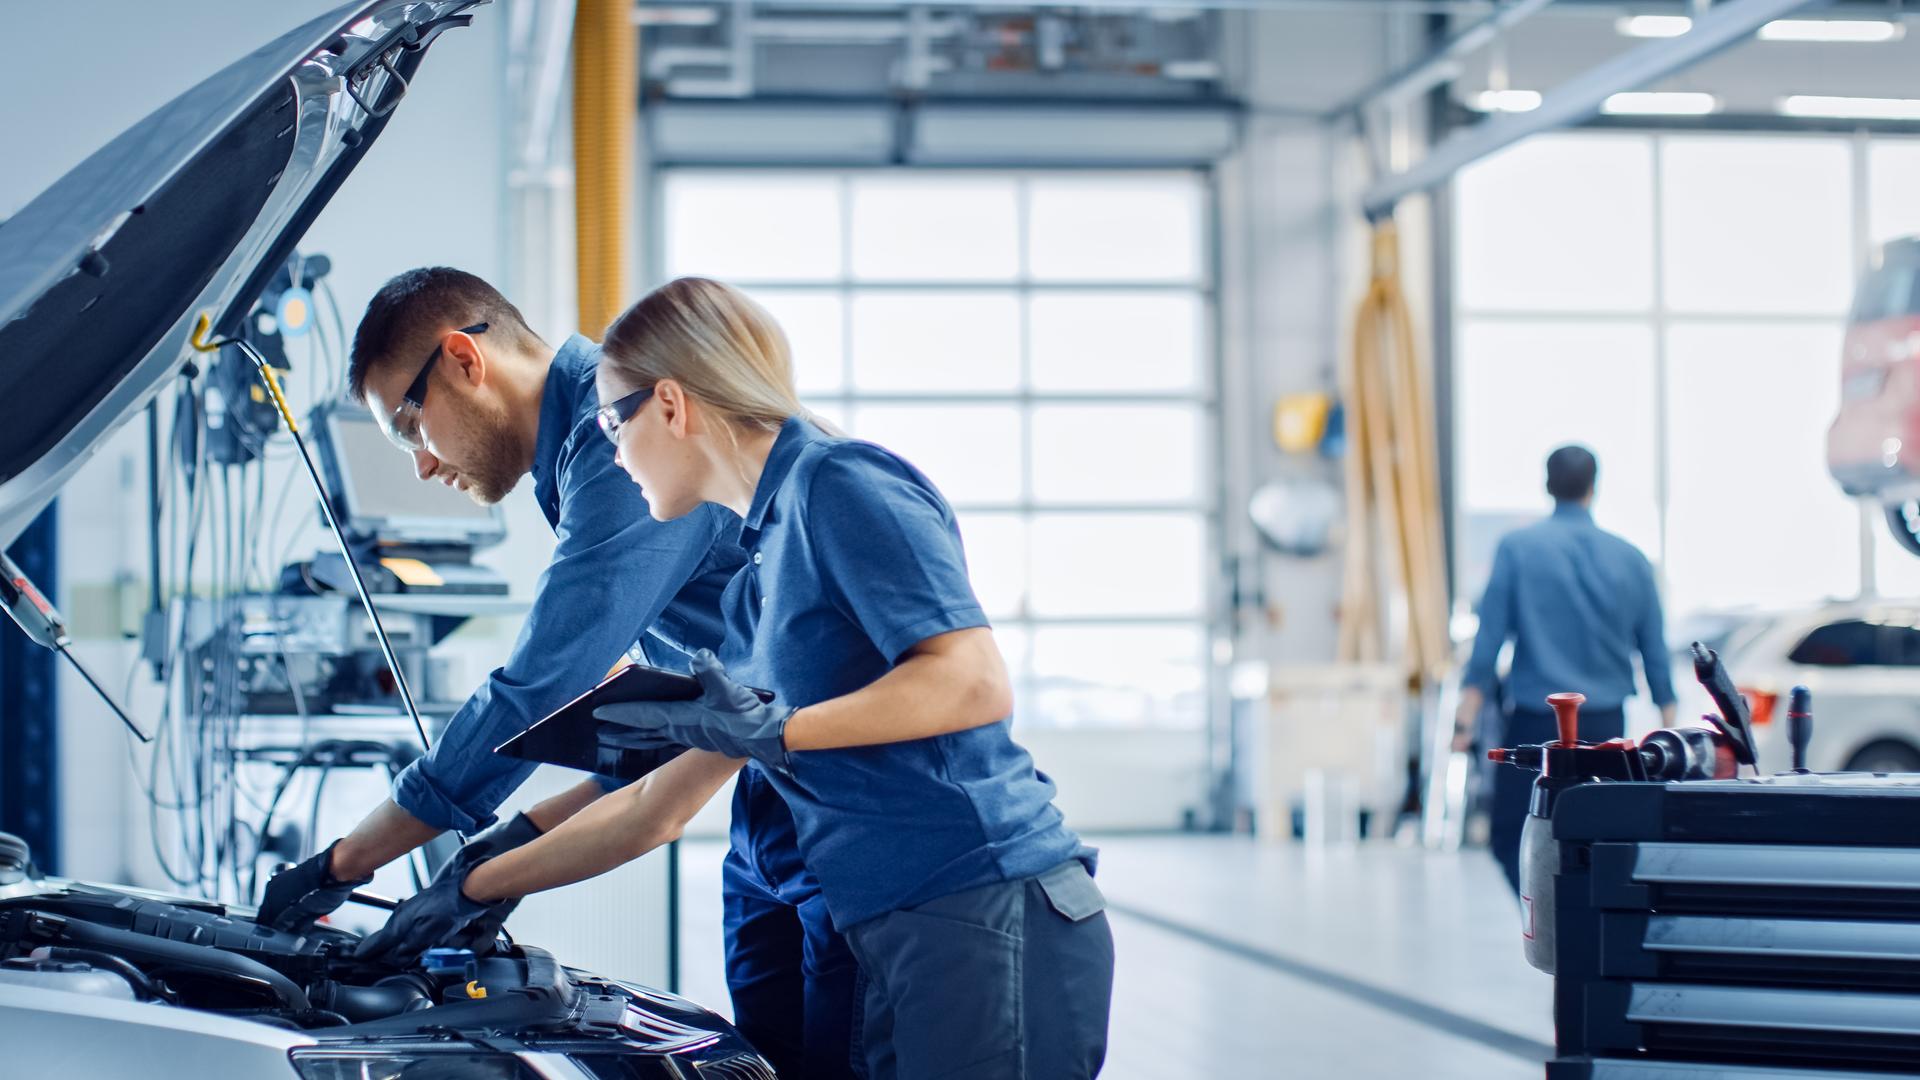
(456, 378)
(1577, 602)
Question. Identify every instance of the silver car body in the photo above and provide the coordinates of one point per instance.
(1856, 708)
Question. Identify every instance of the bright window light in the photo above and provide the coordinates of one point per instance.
(1851, 108)
(1653, 26)
(1661, 103)
(1853, 30)
(1506, 100)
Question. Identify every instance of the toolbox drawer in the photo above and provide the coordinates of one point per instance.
(1757, 879)
(1587, 1068)
(1762, 1025)
(1856, 954)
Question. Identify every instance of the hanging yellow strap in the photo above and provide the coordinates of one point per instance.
(1394, 523)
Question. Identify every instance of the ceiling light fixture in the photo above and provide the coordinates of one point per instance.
(1866, 31)
(1506, 100)
(1660, 103)
(1653, 26)
(1851, 108)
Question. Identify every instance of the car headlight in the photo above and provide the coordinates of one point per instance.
(420, 1064)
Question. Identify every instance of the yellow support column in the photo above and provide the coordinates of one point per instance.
(606, 89)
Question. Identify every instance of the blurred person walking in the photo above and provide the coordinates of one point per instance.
(1577, 602)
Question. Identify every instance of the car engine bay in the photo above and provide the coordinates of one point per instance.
(128, 945)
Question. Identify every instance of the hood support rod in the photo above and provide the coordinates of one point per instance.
(42, 622)
(200, 343)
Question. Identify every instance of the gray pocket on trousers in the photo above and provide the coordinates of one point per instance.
(952, 989)
(1071, 891)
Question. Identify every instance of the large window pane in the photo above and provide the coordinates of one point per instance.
(1757, 225)
(922, 342)
(1116, 453)
(1096, 228)
(971, 452)
(1893, 201)
(1035, 343)
(1559, 222)
(815, 322)
(1753, 518)
(952, 228)
(996, 547)
(1525, 388)
(1118, 564)
(775, 227)
(1134, 676)
(1116, 342)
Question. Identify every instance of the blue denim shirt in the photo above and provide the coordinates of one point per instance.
(1578, 602)
(855, 558)
(616, 574)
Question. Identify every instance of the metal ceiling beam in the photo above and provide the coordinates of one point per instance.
(1344, 7)
(1885, 9)
(1441, 65)
(1580, 97)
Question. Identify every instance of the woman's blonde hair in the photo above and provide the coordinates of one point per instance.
(712, 339)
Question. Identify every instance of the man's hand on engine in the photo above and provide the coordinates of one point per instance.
(299, 895)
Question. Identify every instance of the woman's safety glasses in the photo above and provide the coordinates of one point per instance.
(615, 413)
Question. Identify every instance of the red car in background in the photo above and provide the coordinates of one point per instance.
(1873, 447)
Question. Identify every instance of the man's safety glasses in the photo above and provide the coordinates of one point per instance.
(618, 412)
(403, 426)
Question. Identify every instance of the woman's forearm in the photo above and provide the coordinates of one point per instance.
(549, 813)
(610, 833)
(948, 683)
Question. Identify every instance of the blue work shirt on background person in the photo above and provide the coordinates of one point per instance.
(616, 574)
(1577, 602)
(855, 558)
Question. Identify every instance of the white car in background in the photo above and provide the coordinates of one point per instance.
(1860, 659)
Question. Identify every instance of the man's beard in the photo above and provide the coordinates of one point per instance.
(498, 462)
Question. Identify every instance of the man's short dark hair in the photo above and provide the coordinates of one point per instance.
(407, 313)
(1570, 473)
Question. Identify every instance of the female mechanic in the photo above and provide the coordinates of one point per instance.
(967, 902)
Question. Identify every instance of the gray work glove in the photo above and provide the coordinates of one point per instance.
(451, 920)
(299, 895)
(726, 718)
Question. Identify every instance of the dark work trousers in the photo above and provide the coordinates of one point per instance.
(794, 983)
(1010, 981)
(1513, 788)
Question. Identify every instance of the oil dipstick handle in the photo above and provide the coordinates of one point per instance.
(1800, 725)
(1566, 712)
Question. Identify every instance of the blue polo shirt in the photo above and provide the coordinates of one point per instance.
(617, 577)
(853, 559)
(1578, 602)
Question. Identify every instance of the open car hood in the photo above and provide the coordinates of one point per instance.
(186, 214)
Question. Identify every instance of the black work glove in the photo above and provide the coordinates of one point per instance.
(299, 895)
(481, 934)
(726, 718)
(468, 924)
(502, 838)
(435, 917)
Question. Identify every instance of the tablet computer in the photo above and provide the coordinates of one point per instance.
(570, 735)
